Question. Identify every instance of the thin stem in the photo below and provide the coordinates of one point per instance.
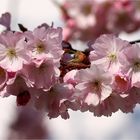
(134, 42)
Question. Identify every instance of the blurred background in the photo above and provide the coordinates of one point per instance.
(80, 126)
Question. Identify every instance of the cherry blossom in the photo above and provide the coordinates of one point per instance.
(46, 42)
(52, 100)
(130, 60)
(106, 51)
(92, 18)
(45, 73)
(52, 75)
(93, 85)
(13, 51)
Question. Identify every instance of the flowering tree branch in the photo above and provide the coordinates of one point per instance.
(43, 69)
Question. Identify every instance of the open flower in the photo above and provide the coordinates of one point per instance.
(130, 64)
(42, 73)
(93, 85)
(106, 51)
(13, 51)
(46, 42)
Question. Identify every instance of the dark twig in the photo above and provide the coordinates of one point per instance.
(134, 42)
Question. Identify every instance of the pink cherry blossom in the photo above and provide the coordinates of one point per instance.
(49, 74)
(52, 101)
(130, 60)
(106, 51)
(122, 17)
(92, 18)
(13, 51)
(44, 41)
(82, 11)
(93, 85)
(42, 73)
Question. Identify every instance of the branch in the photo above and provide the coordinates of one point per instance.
(134, 42)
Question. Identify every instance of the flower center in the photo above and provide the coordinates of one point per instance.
(40, 48)
(11, 53)
(112, 56)
(87, 9)
(96, 85)
(136, 66)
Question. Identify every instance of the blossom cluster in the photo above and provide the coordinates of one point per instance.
(43, 71)
(88, 19)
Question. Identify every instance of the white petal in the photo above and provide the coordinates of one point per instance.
(92, 99)
(106, 91)
(12, 65)
(81, 86)
(136, 79)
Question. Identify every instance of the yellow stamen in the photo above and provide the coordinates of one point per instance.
(40, 48)
(112, 56)
(11, 53)
(136, 66)
(96, 85)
